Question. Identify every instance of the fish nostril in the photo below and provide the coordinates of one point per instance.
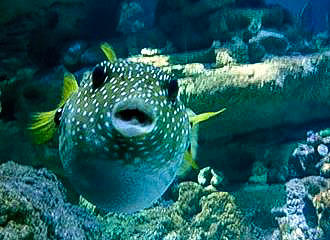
(134, 116)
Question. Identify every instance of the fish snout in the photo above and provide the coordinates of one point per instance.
(133, 117)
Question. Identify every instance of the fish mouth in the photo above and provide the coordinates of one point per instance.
(133, 117)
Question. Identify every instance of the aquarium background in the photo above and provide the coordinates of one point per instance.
(264, 163)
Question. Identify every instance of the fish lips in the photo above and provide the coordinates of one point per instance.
(133, 117)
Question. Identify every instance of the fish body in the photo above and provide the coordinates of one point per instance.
(123, 135)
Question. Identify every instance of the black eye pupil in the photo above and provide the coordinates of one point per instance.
(57, 117)
(173, 89)
(98, 76)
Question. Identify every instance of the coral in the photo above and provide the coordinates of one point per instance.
(197, 214)
(297, 218)
(311, 157)
(322, 204)
(33, 205)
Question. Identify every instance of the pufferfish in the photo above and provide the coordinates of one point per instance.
(123, 134)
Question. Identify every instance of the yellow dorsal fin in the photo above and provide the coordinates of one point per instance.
(108, 52)
(43, 126)
(203, 117)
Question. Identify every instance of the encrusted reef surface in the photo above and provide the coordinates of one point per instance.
(34, 205)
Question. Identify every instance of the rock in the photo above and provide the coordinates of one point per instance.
(204, 176)
(218, 179)
(266, 42)
(256, 202)
(33, 205)
(259, 173)
(227, 23)
(199, 8)
(223, 58)
(256, 52)
(72, 55)
(92, 56)
(312, 157)
(212, 178)
(232, 53)
(195, 24)
(220, 207)
(325, 169)
(197, 214)
(136, 16)
(322, 150)
(256, 123)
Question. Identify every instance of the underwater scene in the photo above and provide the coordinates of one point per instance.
(165, 119)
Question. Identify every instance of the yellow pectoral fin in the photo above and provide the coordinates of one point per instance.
(108, 52)
(188, 158)
(42, 126)
(203, 117)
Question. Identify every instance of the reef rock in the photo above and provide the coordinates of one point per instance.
(33, 205)
(266, 42)
(322, 204)
(298, 219)
(266, 105)
(137, 15)
(311, 157)
(197, 214)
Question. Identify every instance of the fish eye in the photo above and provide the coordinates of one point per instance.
(58, 115)
(173, 89)
(98, 76)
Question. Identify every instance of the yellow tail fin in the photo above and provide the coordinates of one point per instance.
(108, 52)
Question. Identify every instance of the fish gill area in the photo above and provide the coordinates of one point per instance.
(264, 162)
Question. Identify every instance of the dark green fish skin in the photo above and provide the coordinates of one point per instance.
(121, 143)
